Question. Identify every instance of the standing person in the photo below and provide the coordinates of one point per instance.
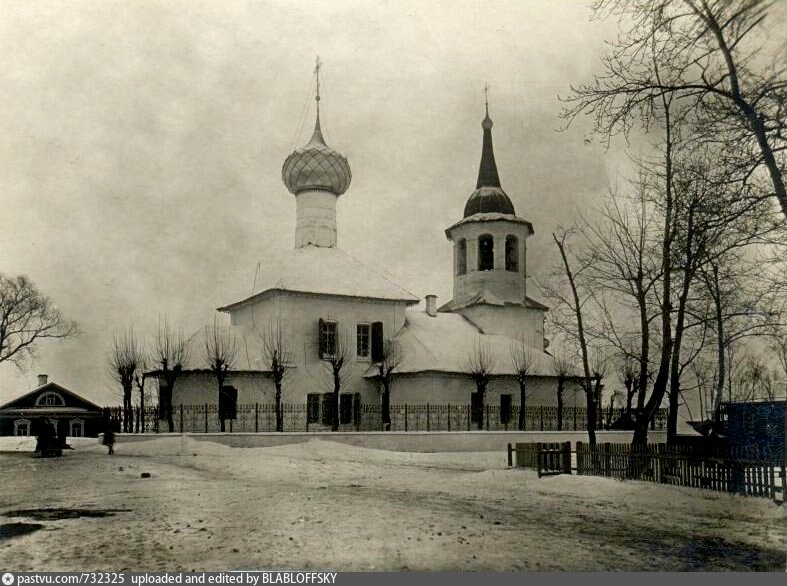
(109, 439)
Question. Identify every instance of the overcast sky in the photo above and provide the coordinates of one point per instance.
(141, 146)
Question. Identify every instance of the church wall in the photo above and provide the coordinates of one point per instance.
(511, 321)
(299, 315)
(201, 389)
(443, 388)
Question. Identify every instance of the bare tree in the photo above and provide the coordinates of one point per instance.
(390, 360)
(523, 360)
(277, 354)
(779, 348)
(479, 365)
(26, 318)
(711, 61)
(561, 368)
(126, 360)
(576, 307)
(338, 360)
(221, 350)
(170, 354)
(139, 380)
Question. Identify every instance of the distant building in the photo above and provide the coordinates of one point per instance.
(322, 297)
(50, 404)
(757, 423)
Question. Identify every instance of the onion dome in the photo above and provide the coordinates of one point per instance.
(488, 197)
(316, 166)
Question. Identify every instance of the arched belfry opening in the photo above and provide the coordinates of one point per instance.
(486, 252)
(512, 253)
(461, 257)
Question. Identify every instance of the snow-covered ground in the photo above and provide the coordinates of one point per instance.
(326, 505)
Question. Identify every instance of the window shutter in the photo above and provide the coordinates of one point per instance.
(320, 339)
(357, 409)
(377, 341)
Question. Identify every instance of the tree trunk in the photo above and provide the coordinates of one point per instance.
(142, 410)
(279, 414)
(481, 393)
(591, 413)
(662, 377)
(335, 415)
(560, 384)
(386, 405)
(522, 405)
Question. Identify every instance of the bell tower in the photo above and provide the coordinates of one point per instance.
(490, 250)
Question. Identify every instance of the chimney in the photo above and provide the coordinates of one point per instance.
(431, 305)
(42, 380)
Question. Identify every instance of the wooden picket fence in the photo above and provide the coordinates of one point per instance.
(722, 469)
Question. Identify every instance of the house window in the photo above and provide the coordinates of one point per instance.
(363, 340)
(76, 429)
(313, 407)
(505, 409)
(476, 407)
(22, 427)
(228, 403)
(512, 254)
(377, 341)
(327, 409)
(486, 252)
(327, 338)
(461, 257)
(345, 408)
(50, 399)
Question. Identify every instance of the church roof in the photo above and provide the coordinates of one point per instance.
(490, 217)
(486, 297)
(445, 342)
(325, 271)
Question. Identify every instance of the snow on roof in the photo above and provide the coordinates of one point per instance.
(490, 217)
(445, 342)
(326, 271)
(486, 297)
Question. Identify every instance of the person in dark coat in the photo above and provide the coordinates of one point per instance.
(109, 439)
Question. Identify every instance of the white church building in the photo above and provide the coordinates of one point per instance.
(322, 297)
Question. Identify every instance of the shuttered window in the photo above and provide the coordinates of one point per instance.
(313, 407)
(345, 408)
(377, 341)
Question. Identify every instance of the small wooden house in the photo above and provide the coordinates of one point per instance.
(50, 404)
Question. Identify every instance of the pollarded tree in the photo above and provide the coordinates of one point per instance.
(390, 359)
(337, 350)
(126, 362)
(170, 355)
(523, 360)
(277, 355)
(27, 317)
(479, 364)
(221, 350)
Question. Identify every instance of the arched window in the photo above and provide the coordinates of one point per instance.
(50, 399)
(486, 252)
(512, 253)
(461, 257)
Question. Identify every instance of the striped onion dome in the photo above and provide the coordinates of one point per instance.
(316, 166)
